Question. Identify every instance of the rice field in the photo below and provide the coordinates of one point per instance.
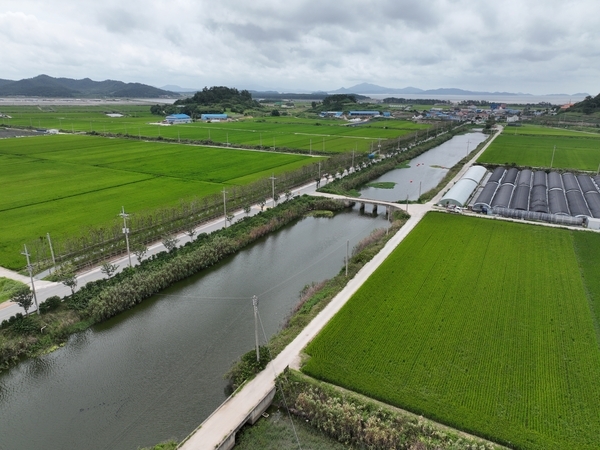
(484, 325)
(329, 136)
(534, 146)
(61, 184)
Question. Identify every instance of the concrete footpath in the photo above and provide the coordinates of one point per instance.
(228, 418)
(218, 430)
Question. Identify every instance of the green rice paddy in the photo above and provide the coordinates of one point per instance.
(534, 146)
(61, 184)
(487, 326)
(329, 136)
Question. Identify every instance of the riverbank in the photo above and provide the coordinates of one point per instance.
(33, 335)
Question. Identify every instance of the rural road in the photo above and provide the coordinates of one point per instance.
(46, 289)
(234, 411)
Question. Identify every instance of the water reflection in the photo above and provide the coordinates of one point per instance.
(155, 372)
(425, 171)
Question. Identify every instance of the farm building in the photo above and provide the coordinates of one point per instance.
(213, 117)
(462, 190)
(178, 118)
(363, 113)
(336, 114)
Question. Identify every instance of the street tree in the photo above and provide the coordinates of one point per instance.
(108, 269)
(140, 250)
(68, 276)
(170, 242)
(23, 297)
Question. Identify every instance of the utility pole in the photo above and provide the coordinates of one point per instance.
(319, 170)
(51, 251)
(468, 142)
(255, 306)
(273, 187)
(598, 171)
(552, 161)
(30, 270)
(352, 160)
(310, 151)
(126, 231)
(225, 207)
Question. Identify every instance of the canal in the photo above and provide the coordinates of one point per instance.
(425, 171)
(156, 372)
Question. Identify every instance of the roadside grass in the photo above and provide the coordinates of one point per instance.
(483, 325)
(8, 287)
(276, 432)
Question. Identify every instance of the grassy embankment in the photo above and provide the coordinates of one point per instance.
(487, 326)
(98, 301)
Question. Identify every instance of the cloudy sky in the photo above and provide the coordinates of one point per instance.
(532, 46)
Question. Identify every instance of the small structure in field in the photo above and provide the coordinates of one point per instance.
(177, 118)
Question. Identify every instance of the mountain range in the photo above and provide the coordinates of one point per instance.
(368, 88)
(46, 86)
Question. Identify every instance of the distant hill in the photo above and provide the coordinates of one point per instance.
(175, 88)
(368, 88)
(46, 86)
(589, 105)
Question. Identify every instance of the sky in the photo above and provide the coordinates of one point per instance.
(530, 46)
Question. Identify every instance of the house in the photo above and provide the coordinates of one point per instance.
(363, 113)
(177, 118)
(213, 117)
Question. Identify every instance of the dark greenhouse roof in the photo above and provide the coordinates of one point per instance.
(541, 192)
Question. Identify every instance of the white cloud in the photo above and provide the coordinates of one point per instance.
(538, 46)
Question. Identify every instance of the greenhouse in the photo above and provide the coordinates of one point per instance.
(462, 190)
(540, 192)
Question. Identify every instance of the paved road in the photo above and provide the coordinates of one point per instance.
(46, 289)
(236, 409)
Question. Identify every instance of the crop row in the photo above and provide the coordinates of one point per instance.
(483, 325)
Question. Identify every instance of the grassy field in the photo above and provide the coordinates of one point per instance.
(483, 325)
(331, 136)
(61, 184)
(533, 146)
(8, 287)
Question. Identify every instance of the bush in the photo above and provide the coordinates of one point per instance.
(50, 304)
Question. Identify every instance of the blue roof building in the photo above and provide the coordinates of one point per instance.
(178, 118)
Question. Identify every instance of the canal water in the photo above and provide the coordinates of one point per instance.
(156, 371)
(425, 171)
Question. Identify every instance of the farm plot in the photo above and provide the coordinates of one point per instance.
(63, 184)
(482, 325)
(572, 152)
(319, 135)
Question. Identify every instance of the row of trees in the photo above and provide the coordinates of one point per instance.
(97, 244)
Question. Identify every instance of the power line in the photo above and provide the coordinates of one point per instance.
(277, 382)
